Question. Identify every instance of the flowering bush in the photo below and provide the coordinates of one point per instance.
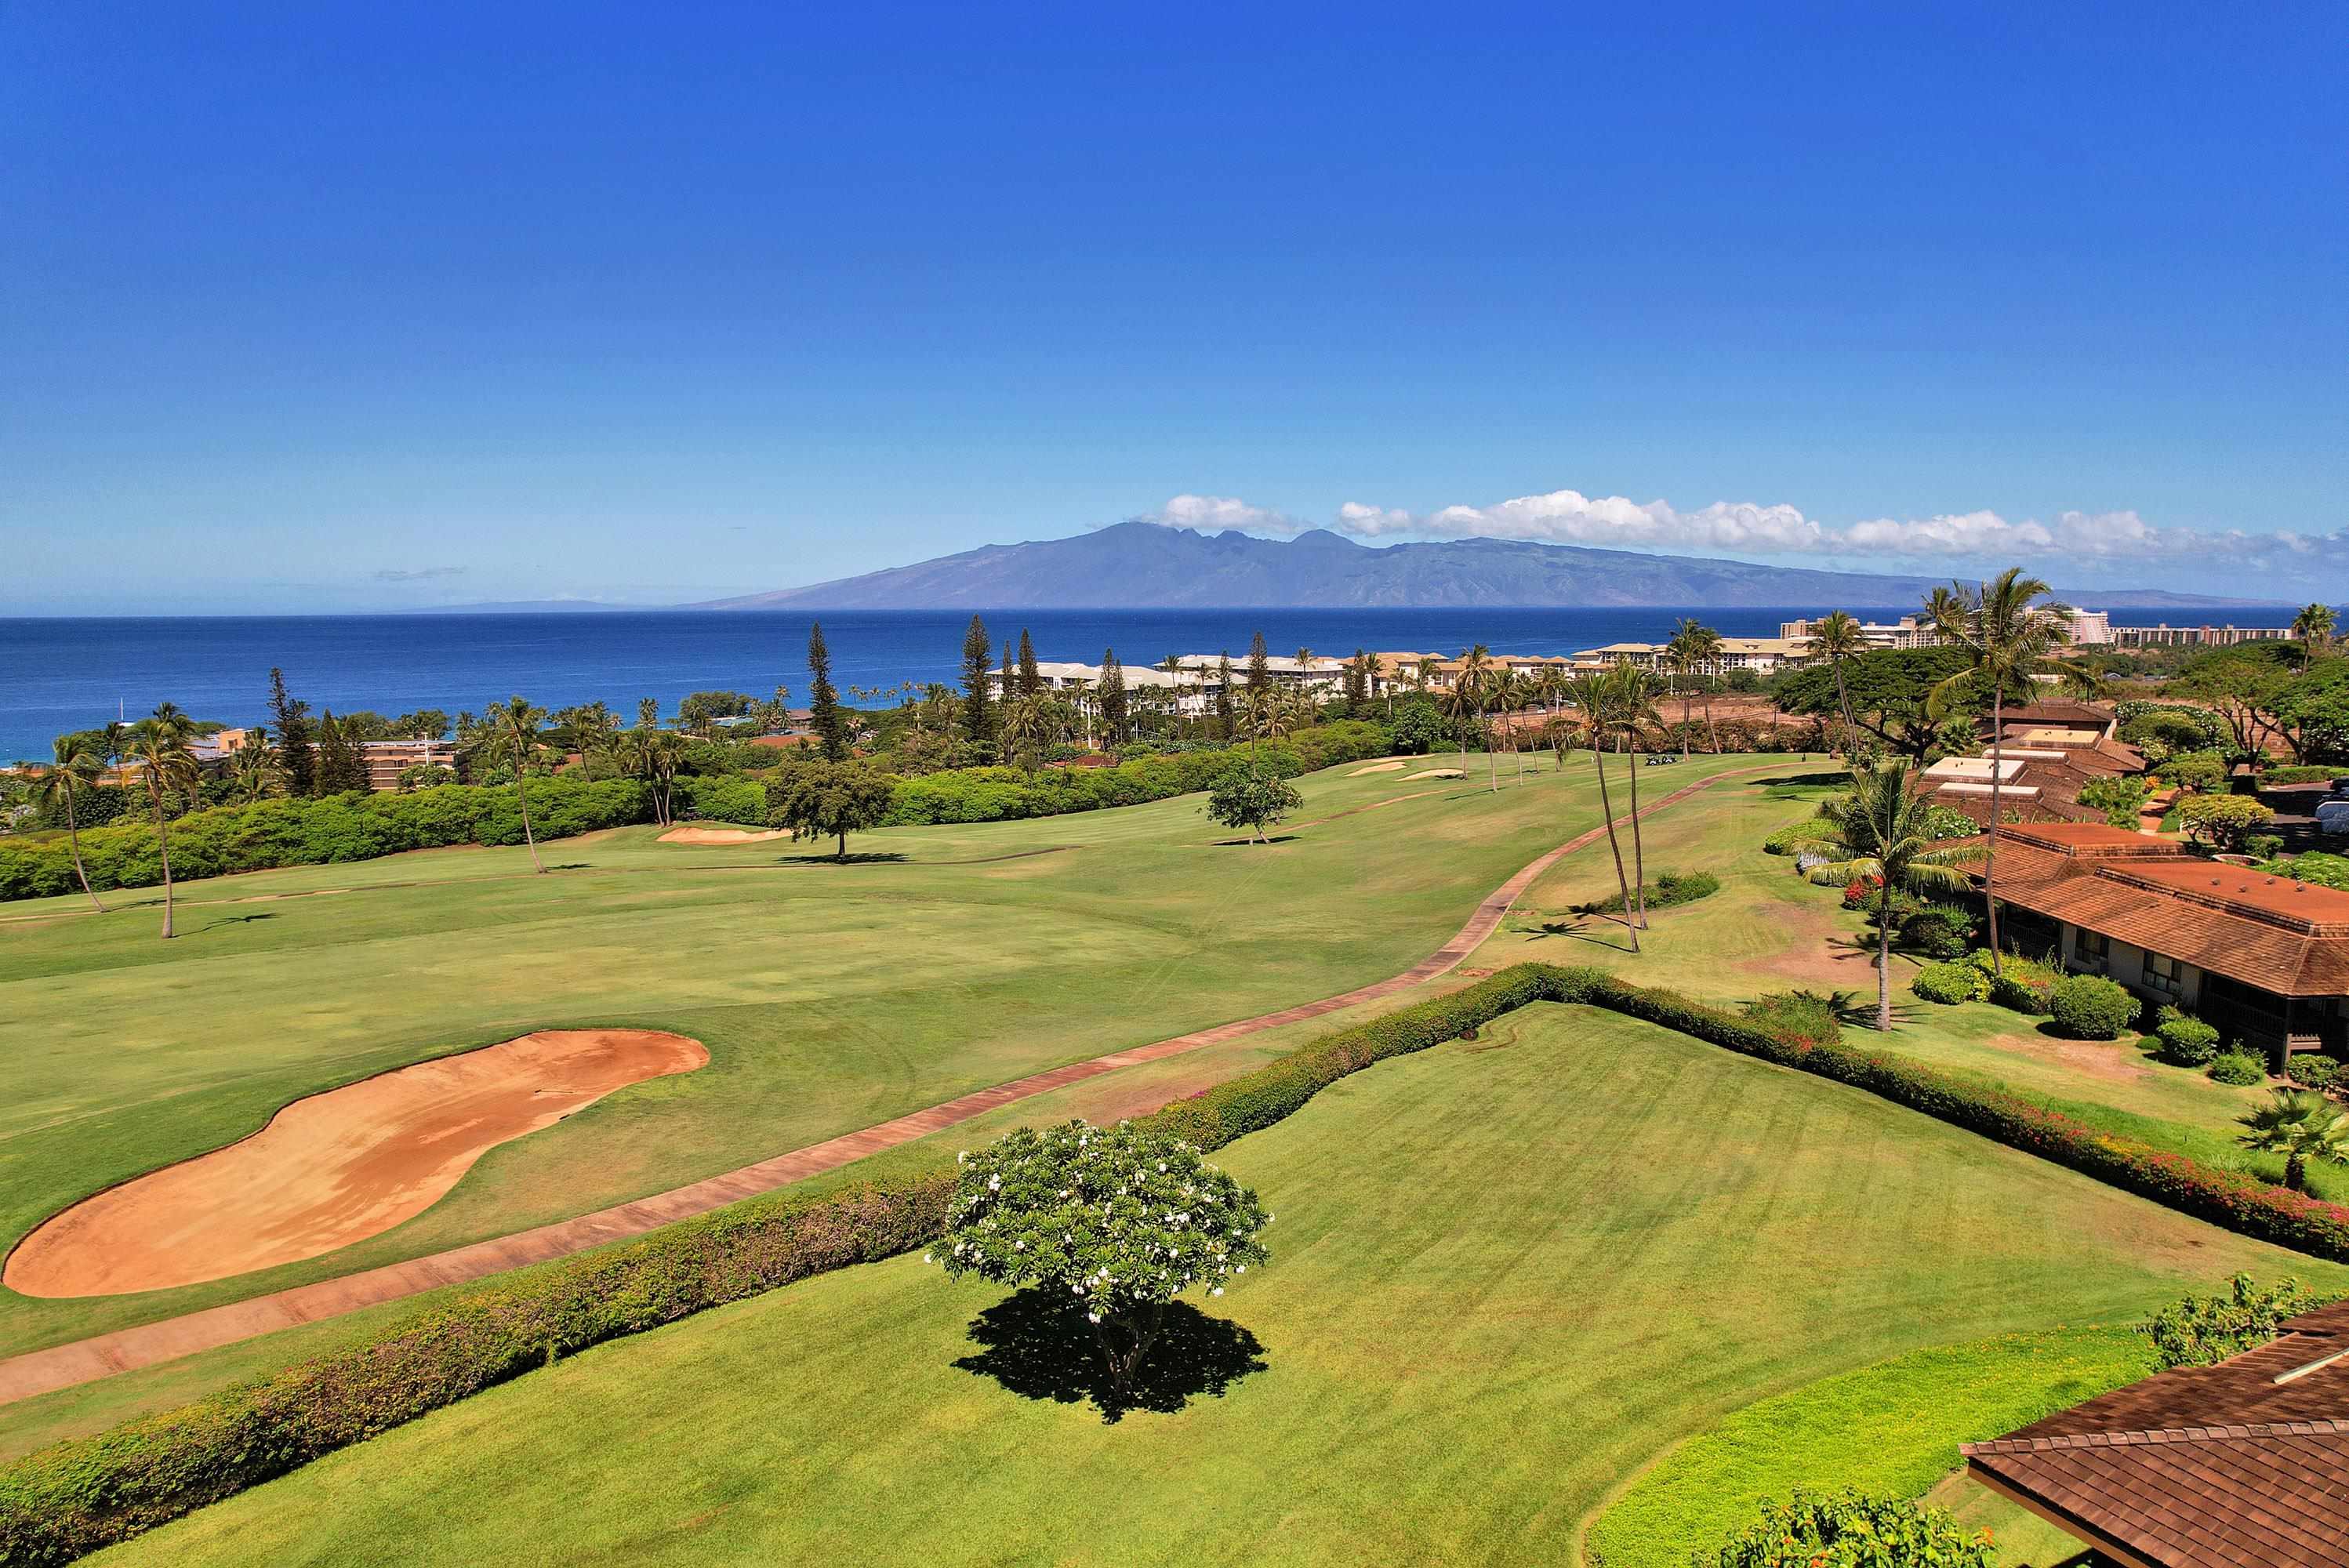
(1124, 1218)
(1850, 1530)
(1860, 892)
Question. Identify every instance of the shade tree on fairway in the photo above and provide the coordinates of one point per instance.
(828, 800)
(1252, 798)
(1120, 1219)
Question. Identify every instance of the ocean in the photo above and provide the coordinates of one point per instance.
(60, 675)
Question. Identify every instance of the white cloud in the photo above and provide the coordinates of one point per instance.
(1213, 513)
(1752, 528)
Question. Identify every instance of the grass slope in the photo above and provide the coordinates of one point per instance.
(1506, 1273)
(831, 997)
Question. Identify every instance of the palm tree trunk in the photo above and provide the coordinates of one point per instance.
(1685, 700)
(1884, 957)
(2295, 1171)
(1607, 811)
(1493, 759)
(1843, 700)
(1990, 842)
(72, 837)
(1711, 736)
(163, 842)
(523, 795)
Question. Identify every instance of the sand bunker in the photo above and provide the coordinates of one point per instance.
(334, 1168)
(721, 835)
(1375, 768)
(1434, 773)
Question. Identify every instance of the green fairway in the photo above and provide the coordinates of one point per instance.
(831, 997)
(1507, 1275)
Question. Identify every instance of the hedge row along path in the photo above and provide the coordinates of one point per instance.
(124, 1350)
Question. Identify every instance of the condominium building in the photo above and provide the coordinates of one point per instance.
(2168, 637)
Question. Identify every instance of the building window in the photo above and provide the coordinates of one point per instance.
(2091, 951)
(2163, 975)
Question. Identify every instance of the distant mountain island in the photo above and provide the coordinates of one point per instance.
(1141, 565)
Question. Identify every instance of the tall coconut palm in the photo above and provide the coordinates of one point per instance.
(1837, 639)
(1707, 649)
(1880, 830)
(2313, 627)
(160, 745)
(514, 738)
(1478, 678)
(2006, 638)
(78, 763)
(1307, 659)
(1517, 694)
(1680, 658)
(255, 769)
(2301, 1125)
(1463, 702)
(596, 727)
(1591, 696)
(1632, 710)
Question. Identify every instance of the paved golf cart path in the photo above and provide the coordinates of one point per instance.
(124, 1350)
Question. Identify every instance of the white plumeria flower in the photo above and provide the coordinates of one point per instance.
(1217, 1291)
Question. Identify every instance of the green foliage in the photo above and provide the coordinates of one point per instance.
(1799, 1015)
(2311, 1069)
(1796, 837)
(331, 829)
(2091, 1008)
(2204, 1330)
(2299, 773)
(1252, 798)
(725, 797)
(2029, 994)
(2163, 730)
(2119, 798)
(2223, 821)
(1949, 985)
(1847, 1530)
(2186, 1041)
(2236, 1069)
(1941, 932)
(1670, 888)
(2316, 866)
(828, 800)
(1419, 728)
(2198, 772)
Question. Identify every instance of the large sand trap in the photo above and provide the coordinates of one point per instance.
(721, 835)
(334, 1168)
(1376, 767)
(1434, 773)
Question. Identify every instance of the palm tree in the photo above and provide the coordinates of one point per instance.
(1476, 679)
(1027, 731)
(1306, 659)
(596, 727)
(1463, 704)
(1634, 706)
(514, 738)
(159, 743)
(1838, 638)
(1592, 696)
(1680, 657)
(2006, 638)
(257, 772)
(1516, 694)
(2301, 1125)
(1707, 647)
(2313, 627)
(1880, 831)
(77, 765)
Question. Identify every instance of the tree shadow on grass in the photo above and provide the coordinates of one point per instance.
(1603, 931)
(240, 919)
(861, 857)
(1040, 1346)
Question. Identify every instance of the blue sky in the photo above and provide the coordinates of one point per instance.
(333, 307)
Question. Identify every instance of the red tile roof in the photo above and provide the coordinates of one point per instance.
(2241, 1465)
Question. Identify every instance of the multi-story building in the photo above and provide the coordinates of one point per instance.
(1763, 655)
(2168, 637)
(2083, 628)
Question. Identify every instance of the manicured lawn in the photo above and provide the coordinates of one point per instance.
(1506, 1273)
(831, 997)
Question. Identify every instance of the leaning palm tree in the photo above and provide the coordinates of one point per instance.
(78, 763)
(2301, 1125)
(1838, 638)
(1592, 698)
(159, 745)
(2313, 627)
(1634, 708)
(514, 738)
(1707, 649)
(2006, 638)
(1879, 831)
(1479, 678)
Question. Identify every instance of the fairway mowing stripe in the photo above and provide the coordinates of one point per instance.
(127, 1349)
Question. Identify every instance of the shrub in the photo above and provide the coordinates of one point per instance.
(1942, 931)
(1796, 837)
(2311, 1070)
(2091, 1007)
(2223, 821)
(2202, 1331)
(2198, 772)
(1850, 1530)
(2320, 868)
(2298, 773)
(1670, 888)
(2186, 1042)
(725, 797)
(1950, 984)
(2237, 1069)
(1803, 1015)
(2120, 798)
(2032, 994)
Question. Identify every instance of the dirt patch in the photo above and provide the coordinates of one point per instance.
(1393, 767)
(1434, 773)
(334, 1168)
(1808, 959)
(690, 835)
(2111, 1060)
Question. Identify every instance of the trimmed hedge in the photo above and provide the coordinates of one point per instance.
(1948, 984)
(1670, 888)
(80, 1495)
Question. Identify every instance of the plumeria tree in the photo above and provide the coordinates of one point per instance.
(1124, 1219)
